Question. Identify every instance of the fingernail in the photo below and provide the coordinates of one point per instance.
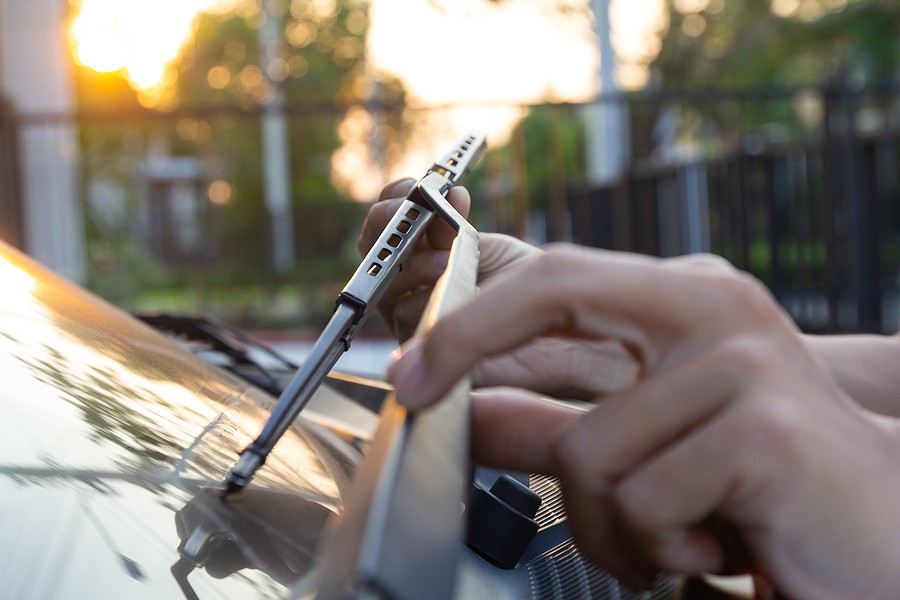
(441, 259)
(401, 187)
(408, 375)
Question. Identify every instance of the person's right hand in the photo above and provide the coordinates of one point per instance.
(735, 446)
(551, 365)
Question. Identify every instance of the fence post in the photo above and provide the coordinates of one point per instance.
(852, 200)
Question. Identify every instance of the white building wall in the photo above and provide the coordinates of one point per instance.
(36, 75)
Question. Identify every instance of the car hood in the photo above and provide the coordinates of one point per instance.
(114, 442)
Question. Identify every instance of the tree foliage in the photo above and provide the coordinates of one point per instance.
(209, 107)
(729, 69)
(318, 67)
(777, 42)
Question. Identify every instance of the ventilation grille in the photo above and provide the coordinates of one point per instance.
(552, 510)
(562, 572)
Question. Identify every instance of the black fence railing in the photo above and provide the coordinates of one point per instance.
(800, 187)
(818, 222)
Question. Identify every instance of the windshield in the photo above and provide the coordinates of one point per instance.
(111, 441)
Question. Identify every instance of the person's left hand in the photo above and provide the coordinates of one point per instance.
(551, 364)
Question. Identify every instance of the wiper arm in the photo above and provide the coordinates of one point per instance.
(359, 297)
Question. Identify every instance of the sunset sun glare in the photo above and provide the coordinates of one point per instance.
(477, 63)
(135, 37)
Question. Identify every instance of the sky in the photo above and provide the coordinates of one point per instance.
(142, 37)
(514, 51)
(511, 52)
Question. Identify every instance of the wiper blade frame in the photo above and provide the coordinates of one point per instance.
(362, 293)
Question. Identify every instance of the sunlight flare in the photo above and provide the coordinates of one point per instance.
(135, 37)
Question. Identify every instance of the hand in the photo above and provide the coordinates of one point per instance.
(402, 305)
(551, 365)
(734, 447)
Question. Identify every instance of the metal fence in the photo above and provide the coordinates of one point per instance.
(799, 187)
(817, 220)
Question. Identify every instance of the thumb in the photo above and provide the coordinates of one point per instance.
(440, 233)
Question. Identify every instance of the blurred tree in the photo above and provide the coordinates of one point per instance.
(777, 42)
(209, 106)
(723, 69)
(110, 155)
(527, 177)
(318, 66)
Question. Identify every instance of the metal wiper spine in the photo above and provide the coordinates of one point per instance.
(362, 293)
(400, 536)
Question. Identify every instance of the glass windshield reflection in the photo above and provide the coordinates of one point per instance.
(110, 439)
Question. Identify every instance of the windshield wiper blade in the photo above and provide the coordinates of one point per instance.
(400, 535)
(243, 353)
(359, 297)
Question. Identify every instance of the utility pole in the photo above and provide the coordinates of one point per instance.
(275, 148)
(36, 77)
(608, 135)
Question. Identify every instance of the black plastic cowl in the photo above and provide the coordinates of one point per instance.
(500, 522)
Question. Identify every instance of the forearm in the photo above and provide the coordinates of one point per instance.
(867, 367)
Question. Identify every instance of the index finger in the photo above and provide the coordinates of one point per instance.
(573, 292)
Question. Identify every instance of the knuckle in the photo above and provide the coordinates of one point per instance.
(572, 452)
(638, 505)
(557, 247)
(558, 266)
(745, 295)
(763, 433)
(747, 354)
(566, 290)
(713, 261)
(552, 261)
(707, 261)
(775, 424)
